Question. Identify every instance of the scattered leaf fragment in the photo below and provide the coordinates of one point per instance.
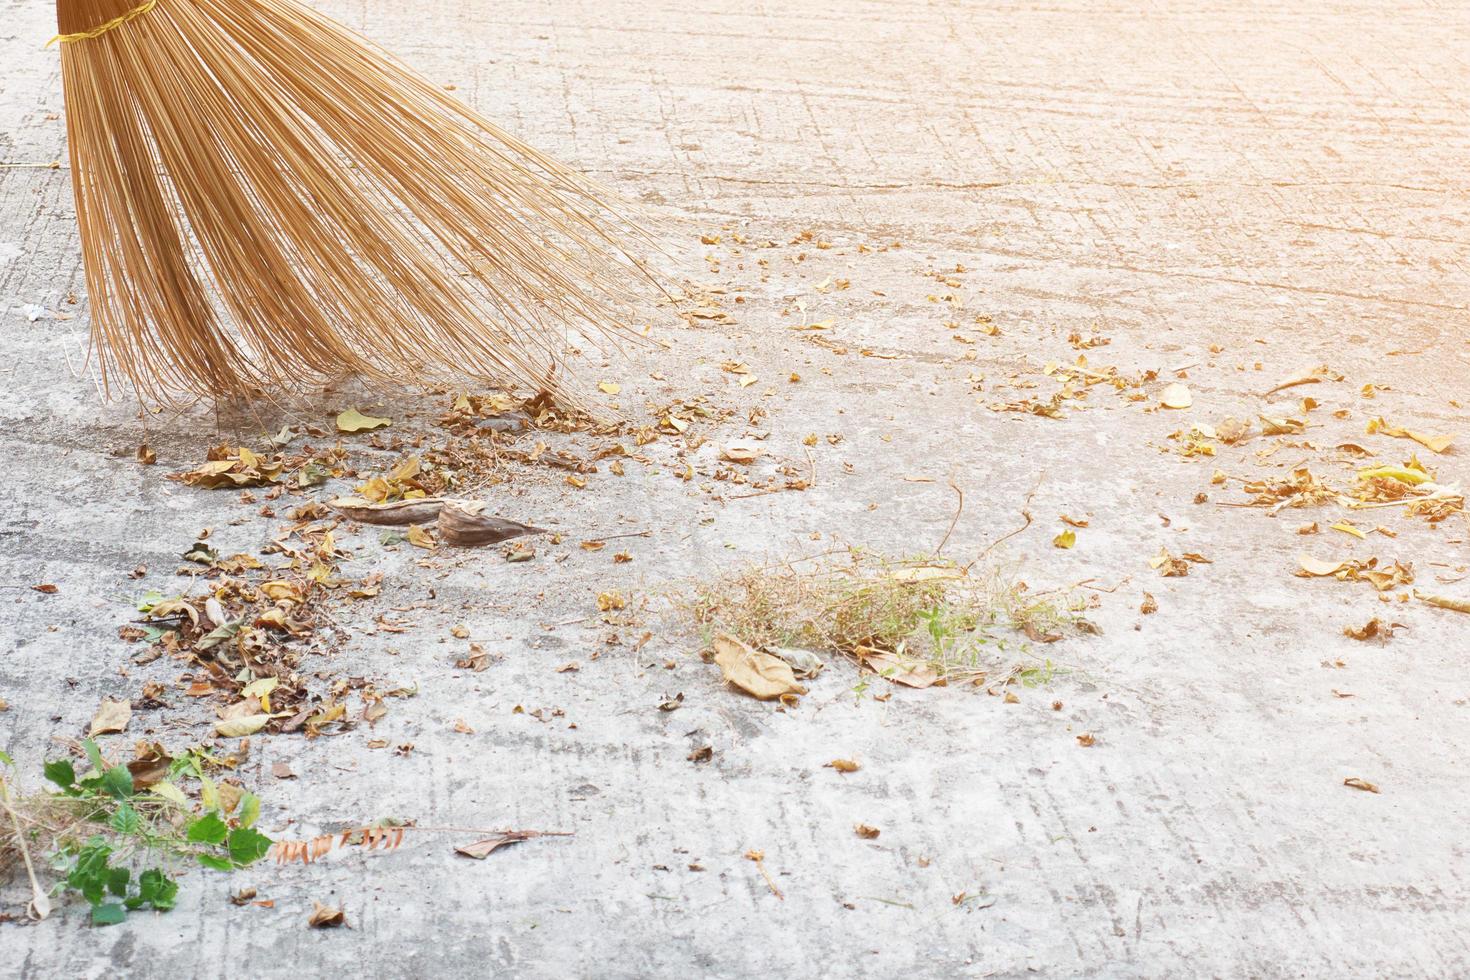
(866, 831)
(1066, 539)
(843, 765)
(1362, 784)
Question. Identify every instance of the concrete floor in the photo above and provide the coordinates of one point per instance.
(1213, 186)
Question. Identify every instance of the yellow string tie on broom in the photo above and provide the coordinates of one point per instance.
(117, 21)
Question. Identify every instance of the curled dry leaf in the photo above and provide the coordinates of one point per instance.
(1374, 628)
(1150, 605)
(1362, 784)
(326, 917)
(759, 674)
(464, 526)
(1067, 539)
(111, 716)
(1443, 602)
(843, 765)
(804, 663)
(866, 831)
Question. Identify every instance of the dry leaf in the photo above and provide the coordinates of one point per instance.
(742, 452)
(1375, 627)
(1176, 395)
(609, 387)
(111, 716)
(1317, 566)
(760, 674)
(483, 848)
(900, 670)
(1150, 605)
(1087, 740)
(1066, 539)
(1435, 444)
(1362, 784)
(866, 832)
(1443, 602)
(843, 765)
(240, 727)
(354, 421)
(1309, 376)
(282, 770)
(326, 917)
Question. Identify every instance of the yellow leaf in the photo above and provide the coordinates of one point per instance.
(1347, 528)
(609, 387)
(420, 538)
(1318, 566)
(1443, 602)
(240, 727)
(1403, 474)
(1066, 539)
(354, 421)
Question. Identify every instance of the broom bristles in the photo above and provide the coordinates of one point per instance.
(266, 201)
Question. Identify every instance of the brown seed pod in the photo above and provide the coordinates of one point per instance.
(462, 525)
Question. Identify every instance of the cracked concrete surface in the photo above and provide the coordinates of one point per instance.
(1211, 186)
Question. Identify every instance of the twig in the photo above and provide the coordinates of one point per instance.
(1024, 513)
(40, 905)
(952, 524)
(759, 857)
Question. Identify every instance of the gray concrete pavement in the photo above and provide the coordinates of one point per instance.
(1239, 189)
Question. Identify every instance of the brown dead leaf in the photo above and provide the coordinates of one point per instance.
(45, 588)
(111, 716)
(759, 674)
(1375, 627)
(1362, 784)
(326, 917)
(866, 831)
(1150, 605)
(282, 770)
(483, 848)
(742, 452)
(900, 670)
(843, 765)
(1087, 740)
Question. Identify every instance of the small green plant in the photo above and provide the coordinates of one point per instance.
(118, 845)
(954, 621)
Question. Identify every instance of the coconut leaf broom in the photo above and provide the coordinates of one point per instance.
(265, 200)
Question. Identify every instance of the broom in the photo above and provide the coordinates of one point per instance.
(265, 200)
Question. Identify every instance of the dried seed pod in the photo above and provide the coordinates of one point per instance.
(395, 513)
(462, 525)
